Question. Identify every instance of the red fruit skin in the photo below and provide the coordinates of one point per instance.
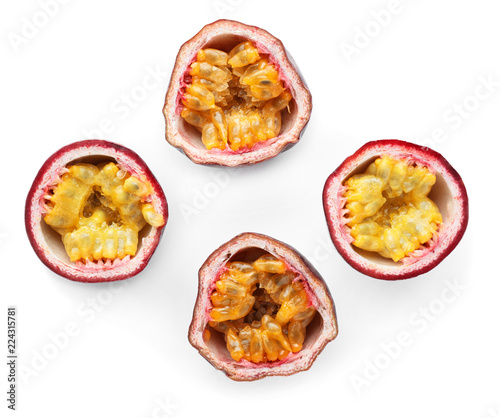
(317, 337)
(228, 33)
(448, 193)
(40, 239)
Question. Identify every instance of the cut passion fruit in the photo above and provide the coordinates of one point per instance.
(95, 212)
(235, 97)
(262, 310)
(394, 209)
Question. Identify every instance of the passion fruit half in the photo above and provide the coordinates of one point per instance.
(95, 212)
(395, 209)
(235, 96)
(262, 309)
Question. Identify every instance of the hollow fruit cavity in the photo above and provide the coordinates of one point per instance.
(262, 309)
(388, 210)
(99, 211)
(234, 99)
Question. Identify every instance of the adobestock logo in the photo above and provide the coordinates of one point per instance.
(59, 341)
(123, 106)
(164, 408)
(494, 414)
(222, 7)
(31, 26)
(365, 34)
(202, 197)
(419, 321)
(461, 110)
(323, 250)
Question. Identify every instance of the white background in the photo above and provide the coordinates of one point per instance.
(65, 76)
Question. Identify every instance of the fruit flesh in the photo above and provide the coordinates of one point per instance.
(262, 309)
(99, 211)
(388, 210)
(234, 99)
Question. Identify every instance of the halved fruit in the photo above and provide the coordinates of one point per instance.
(235, 96)
(395, 209)
(262, 309)
(95, 212)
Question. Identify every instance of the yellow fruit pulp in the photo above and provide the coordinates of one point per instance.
(262, 309)
(388, 208)
(235, 100)
(99, 211)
